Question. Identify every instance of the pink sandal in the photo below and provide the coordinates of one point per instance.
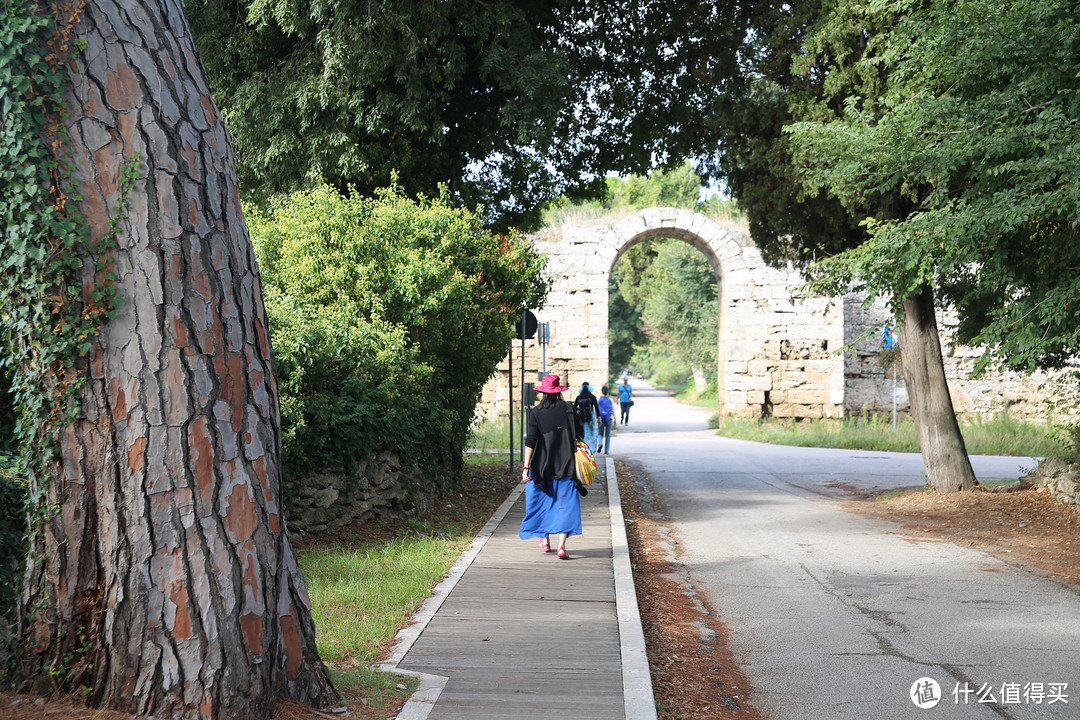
(544, 546)
(563, 555)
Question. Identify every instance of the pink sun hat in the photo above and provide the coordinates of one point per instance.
(550, 384)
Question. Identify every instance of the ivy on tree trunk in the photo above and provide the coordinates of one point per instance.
(165, 582)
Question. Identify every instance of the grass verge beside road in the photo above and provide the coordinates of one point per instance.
(493, 435)
(366, 583)
(1001, 434)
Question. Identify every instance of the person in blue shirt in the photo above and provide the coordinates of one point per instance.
(626, 399)
(607, 417)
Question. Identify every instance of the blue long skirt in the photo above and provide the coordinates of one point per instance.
(546, 515)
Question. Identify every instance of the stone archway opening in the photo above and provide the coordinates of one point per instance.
(663, 302)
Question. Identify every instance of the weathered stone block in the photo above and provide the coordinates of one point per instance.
(325, 497)
(745, 383)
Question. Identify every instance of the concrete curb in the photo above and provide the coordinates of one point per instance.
(638, 700)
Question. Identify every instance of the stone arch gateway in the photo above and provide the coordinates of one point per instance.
(779, 351)
(776, 352)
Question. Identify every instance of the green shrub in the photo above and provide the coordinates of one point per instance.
(387, 315)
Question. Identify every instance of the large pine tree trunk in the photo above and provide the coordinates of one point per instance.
(166, 583)
(944, 454)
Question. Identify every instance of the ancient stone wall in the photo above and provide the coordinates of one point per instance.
(779, 352)
(868, 385)
(1059, 478)
(333, 499)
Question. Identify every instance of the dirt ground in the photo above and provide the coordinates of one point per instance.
(1023, 526)
(695, 675)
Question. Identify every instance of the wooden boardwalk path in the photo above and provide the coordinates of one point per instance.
(523, 634)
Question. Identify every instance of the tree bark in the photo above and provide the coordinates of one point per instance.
(944, 454)
(166, 583)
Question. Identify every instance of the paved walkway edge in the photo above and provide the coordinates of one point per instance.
(419, 704)
(638, 700)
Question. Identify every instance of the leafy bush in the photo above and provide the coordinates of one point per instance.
(387, 315)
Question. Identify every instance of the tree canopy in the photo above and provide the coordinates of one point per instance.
(803, 62)
(796, 61)
(679, 314)
(978, 133)
(509, 103)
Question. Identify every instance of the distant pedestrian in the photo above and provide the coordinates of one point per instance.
(626, 399)
(607, 417)
(552, 504)
(588, 414)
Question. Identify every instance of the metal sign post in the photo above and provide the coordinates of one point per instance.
(526, 328)
(524, 324)
(545, 340)
(894, 396)
(511, 396)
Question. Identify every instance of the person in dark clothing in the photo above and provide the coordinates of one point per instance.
(588, 414)
(552, 504)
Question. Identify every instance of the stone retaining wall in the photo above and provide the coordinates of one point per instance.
(333, 499)
(1059, 478)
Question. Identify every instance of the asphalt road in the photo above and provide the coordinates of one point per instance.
(832, 615)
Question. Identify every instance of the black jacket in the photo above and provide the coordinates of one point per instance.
(587, 399)
(553, 448)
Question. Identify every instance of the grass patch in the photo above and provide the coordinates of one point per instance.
(366, 582)
(1004, 482)
(1000, 434)
(489, 442)
(849, 433)
(361, 594)
(685, 390)
(375, 686)
(707, 398)
(493, 435)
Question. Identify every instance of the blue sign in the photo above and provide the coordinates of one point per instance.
(888, 337)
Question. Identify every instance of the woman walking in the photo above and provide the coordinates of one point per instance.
(552, 505)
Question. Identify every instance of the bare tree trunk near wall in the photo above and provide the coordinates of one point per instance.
(168, 559)
(944, 454)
